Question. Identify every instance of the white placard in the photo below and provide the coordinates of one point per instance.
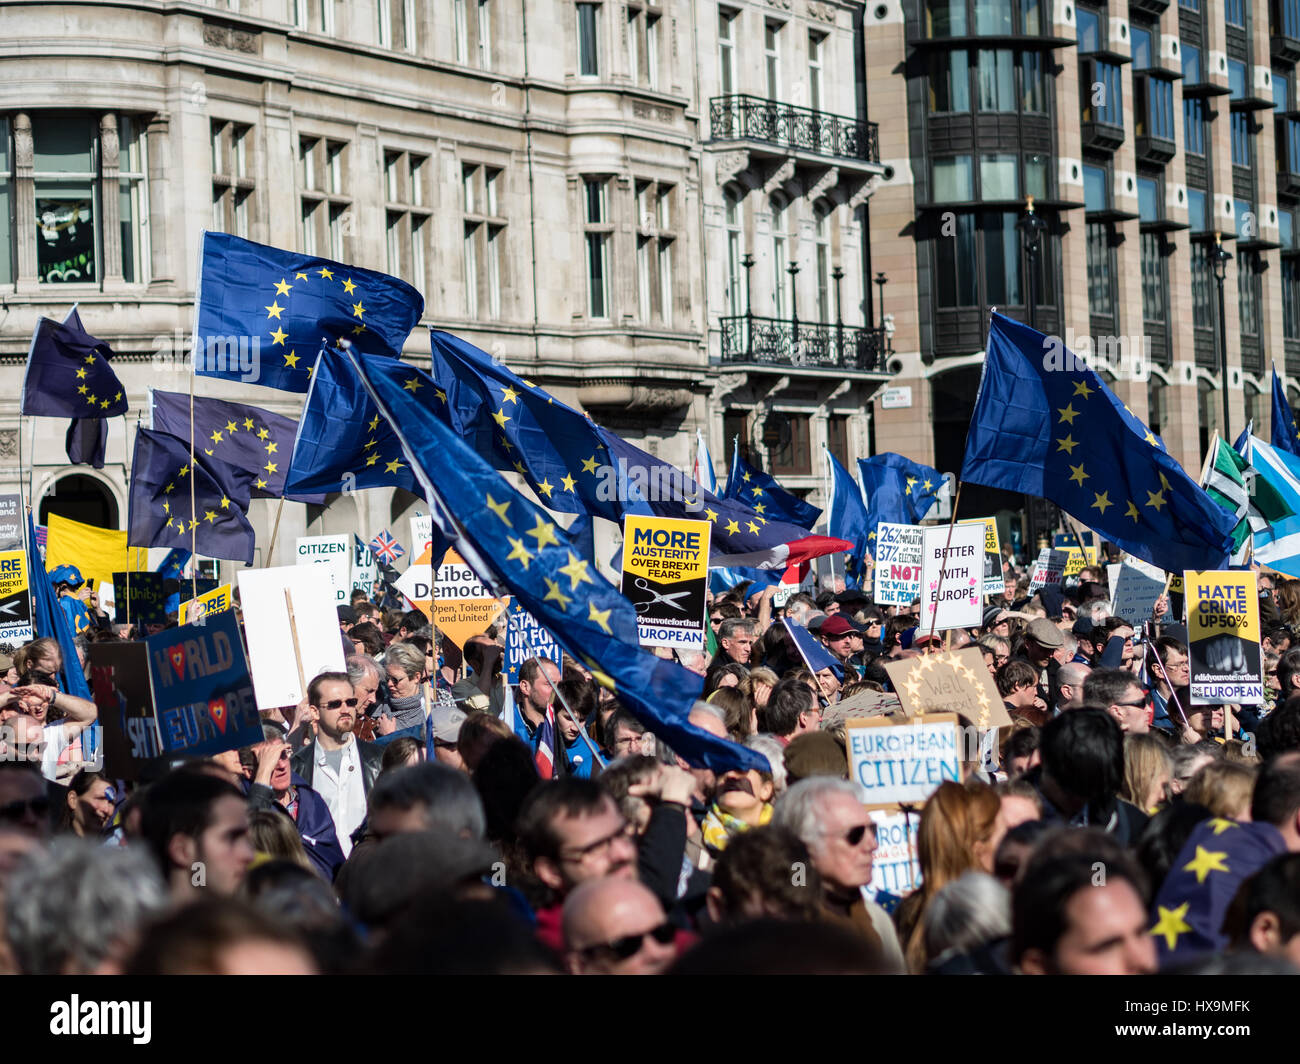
(902, 764)
(335, 554)
(1049, 569)
(271, 659)
(1135, 594)
(896, 865)
(897, 572)
(957, 599)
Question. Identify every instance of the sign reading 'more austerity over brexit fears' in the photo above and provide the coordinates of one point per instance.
(665, 576)
(1223, 637)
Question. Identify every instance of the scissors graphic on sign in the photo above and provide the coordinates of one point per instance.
(667, 600)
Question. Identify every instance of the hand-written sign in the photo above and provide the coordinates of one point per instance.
(902, 764)
(897, 570)
(952, 577)
(1049, 569)
(896, 865)
(955, 681)
(1137, 586)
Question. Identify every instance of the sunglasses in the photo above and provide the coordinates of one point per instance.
(630, 945)
(339, 703)
(13, 812)
(854, 836)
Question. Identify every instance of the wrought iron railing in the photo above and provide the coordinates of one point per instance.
(817, 345)
(801, 128)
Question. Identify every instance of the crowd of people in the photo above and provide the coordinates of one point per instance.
(395, 820)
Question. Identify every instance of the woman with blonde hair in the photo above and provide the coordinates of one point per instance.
(961, 827)
(739, 711)
(275, 836)
(758, 685)
(1224, 788)
(1148, 772)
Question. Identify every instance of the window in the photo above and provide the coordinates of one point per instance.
(1149, 199)
(992, 17)
(772, 57)
(1153, 105)
(315, 15)
(232, 178)
(597, 233)
(1143, 48)
(1101, 259)
(1096, 188)
(485, 228)
(1248, 293)
(643, 47)
(1104, 103)
(957, 265)
(1202, 286)
(735, 427)
(1196, 210)
(984, 249)
(1286, 230)
(727, 50)
(1154, 287)
(1241, 141)
(1191, 64)
(999, 176)
(407, 217)
(945, 18)
(780, 257)
(795, 458)
(1190, 5)
(588, 36)
(326, 211)
(397, 24)
(735, 282)
(822, 264)
(1236, 80)
(837, 438)
(473, 36)
(995, 78)
(133, 210)
(1286, 19)
(1033, 90)
(483, 45)
(1089, 29)
(68, 203)
(1194, 119)
(953, 180)
(460, 30)
(654, 251)
(816, 46)
(1234, 13)
(950, 82)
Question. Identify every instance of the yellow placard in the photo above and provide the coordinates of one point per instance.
(13, 572)
(665, 550)
(462, 605)
(1076, 561)
(1222, 602)
(217, 600)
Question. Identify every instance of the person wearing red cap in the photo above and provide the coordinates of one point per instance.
(835, 633)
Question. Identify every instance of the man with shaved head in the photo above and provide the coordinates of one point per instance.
(616, 927)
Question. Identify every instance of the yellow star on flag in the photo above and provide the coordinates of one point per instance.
(231, 427)
(1081, 388)
(509, 395)
(545, 487)
(91, 399)
(248, 424)
(568, 482)
(325, 273)
(1155, 499)
(1103, 500)
(82, 389)
(1132, 511)
(1205, 862)
(225, 503)
(291, 360)
(752, 527)
(745, 478)
(374, 423)
(104, 404)
(357, 310)
(216, 436)
(272, 447)
(758, 492)
(732, 528)
(261, 484)
(554, 594)
(300, 277)
(279, 336)
(348, 286)
(1069, 414)
(263, 433)
(501, 417)
(440, 395)
(601, 617)
(282, 289)
(520, 552)
(90, 359)
(210, 516)
(1171, 924)
(589, 464)
(711, 513)
(393, 466)
(1221, 824)
(1067, 445)
(270, 468)
(576, 571)
(413, 385)
(545, 533)
(273, 311)
(81, 373)
(1077, 474)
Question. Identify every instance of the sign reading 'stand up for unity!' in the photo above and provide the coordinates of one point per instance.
(1223, 637)
(952, 578)
(665, 576)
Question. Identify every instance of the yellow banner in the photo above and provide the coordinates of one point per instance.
(665, 550)
(218, 600)
(97, 553)
(1222, 602)
(1223, 637)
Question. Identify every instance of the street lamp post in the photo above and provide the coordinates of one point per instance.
(881, 281)
(837, 275)
(1219, 261)
(793, 271)
(1031, 228)
(747, 260)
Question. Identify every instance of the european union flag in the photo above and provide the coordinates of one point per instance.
(897, 489)
(160, 513)
(262, 313)
(761, 492)
(1285, 434)
(848, 521)
(246, 437)
(49, 619)
(512, 545)
(1045, 425)
(342, 443)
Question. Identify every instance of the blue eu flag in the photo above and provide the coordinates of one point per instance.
(263, 312)
(49, 619)
(761, 492)
(160, 512)
(848, 521)
(1285, 435)
(1045, 425)
(898, 490)
(512, 544)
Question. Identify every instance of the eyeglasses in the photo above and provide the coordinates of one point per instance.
(339, 703)
(856, 834)
(13, 812)
(630, 945)
(1177, 665)
(1131, 705)
(625, 830)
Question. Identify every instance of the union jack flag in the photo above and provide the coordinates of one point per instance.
(545, 755)
(386, 548)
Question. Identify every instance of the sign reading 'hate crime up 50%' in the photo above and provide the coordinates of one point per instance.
(665, 576)
(1223, 637)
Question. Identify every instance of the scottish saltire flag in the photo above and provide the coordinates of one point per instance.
(1285, 434)
(544, 755)
(342, 444)
(1277, 544)
(573, 466)
(160, 513)
(386, 548)
(48, 618)
(262, 313)
(1231, 481)
(247, 437)
(765, 496)
(896, 489)
(848, 521)
(1045, 425)
(513, 545)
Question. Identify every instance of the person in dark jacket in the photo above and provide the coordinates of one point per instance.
(275, 786)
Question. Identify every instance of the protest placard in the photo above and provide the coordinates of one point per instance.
(1223, 637)
(666, 576)
(215, 601)
(13, 522)
(202, 692)
(527, 639)
(955, 681)
(994, 584)
(416, 583)
(334, 553)
(119, 681)
(1136, 587)
(896, 864)
(141, 598)
(15, 598)
(902, 764)
(897, 570)
(1049, 569)
(365, 570)
(285, 657)
(952, 577)
(463, 605)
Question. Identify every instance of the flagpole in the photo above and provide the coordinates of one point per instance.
(275, 531)
(194, 524)
(952, 523)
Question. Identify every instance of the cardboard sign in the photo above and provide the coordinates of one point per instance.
(335, 554)
(141, 599)
(896, 865)
(955, 681)
(1076, 561)
(1049, 569)
(952, 577)
(666, 577)
(285, 659)
(898, 564)
(902, 764)
(463, 605)
(994, 583)
(119, 680)
(216, 601)
(202, 692)
(13, 522)
(365, 570)
(15, 599)
(1223, 638)
(416, 583)
(527, 639)
(1136, 588)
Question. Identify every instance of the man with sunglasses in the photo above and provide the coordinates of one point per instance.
(616, 927)
(339, 767)
(1125, 700)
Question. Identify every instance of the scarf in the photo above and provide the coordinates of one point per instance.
(719, 826)
(408, 712)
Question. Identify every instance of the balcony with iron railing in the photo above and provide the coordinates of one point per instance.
(797, 129)
(790, 344)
